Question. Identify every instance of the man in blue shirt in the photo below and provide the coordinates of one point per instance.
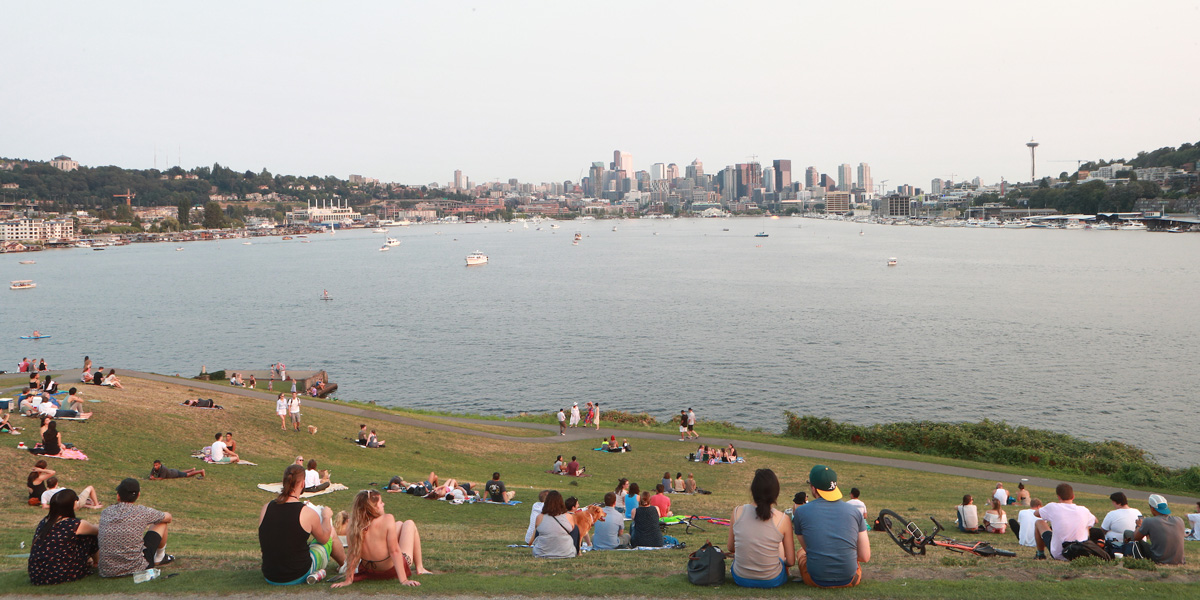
(832, 535)
(609, 534)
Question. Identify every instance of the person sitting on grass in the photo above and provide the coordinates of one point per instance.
(660, 501)
(994, 519)
(551, 536)
(158, 471)
(50, 386)
(832, 535)
(1025, 525)
(314, 480)
(689, 486)
(854, 501)
(1120, 519)
(112, 381)
(64, 547)
(379, 547)
(52, 444)
(678, 485)
(609, 534)
(86, 376)
(220, 452)
(89, 499)
(573, 469)
(98, 377)
(1194, 521)
(1165, 532)
(6, 426)
(284, 526)
(132, 537)
(362, 435)
(74, 402)
(968, 515)
(496, 490)
(645, 530)
(760, 537)
(373, 440)
(558, 465)
(632, 495)
(612, 446)
(229, 442)
(1061, 523)
(36, 482)
(666, 481)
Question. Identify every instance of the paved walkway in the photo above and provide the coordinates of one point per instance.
(591, 433)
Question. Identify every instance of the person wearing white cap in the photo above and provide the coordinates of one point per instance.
(574, 414)
(1165, 533)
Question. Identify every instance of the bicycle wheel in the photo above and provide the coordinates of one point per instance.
(902, 531)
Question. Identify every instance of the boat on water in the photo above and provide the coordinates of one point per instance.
(554, 226)
(476, 258)
(379, 230)
(724, 229)
(22, 284)
(325, 295)
(614, 227)
(179, 249)
(245, 243)
(287, 237)
(391, 242)
(384, 248)
(97, 249)
(27, 262)
(1103, 227)
(34, 337)
(578, 235)
(1133, 226)
(302, 236)
(762, 234)
(892, 261)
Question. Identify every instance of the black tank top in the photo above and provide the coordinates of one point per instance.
(35, 491)
(646, 530)
(284, 543)
(50, 444)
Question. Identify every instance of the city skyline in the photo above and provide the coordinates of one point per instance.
(410, 93)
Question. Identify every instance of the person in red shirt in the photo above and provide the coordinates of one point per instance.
(660, 501)
(573, 469)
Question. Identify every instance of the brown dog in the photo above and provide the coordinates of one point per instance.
(585, 518)
(312, 430)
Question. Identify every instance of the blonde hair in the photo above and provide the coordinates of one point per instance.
(363, 512)
(340, 521)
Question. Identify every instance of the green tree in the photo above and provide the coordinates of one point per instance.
(214, 217)
(183, 209)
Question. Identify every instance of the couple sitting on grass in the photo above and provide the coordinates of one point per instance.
(379, 547)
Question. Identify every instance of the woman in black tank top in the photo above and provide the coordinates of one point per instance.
(282, 538)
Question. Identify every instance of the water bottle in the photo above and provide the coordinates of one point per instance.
(315, 577)
(147, 575)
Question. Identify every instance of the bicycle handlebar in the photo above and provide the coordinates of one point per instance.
(937, 527)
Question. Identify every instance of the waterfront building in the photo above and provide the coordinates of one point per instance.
(64, 163)
(845, 180)
(837, 202)
(728, 183)
(827, 182)
(324, 213)
(37, 230)
(895, 206)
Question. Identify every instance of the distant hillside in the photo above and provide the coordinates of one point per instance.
(1163, 157)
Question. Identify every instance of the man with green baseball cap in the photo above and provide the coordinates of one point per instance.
(832, 535)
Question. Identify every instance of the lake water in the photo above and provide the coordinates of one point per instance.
(1093, 333)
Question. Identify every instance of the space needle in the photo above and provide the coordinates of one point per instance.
(1032, 162)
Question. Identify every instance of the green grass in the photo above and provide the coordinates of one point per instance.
(214, 534)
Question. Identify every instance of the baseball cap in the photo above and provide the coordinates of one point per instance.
(1160, 504)
(128, 487)
(824, 480)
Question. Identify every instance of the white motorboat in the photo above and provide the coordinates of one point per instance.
(245, 243)
(384, 248)
(476, 258)
(892, 261)
(179, 249)
(27, 262)
(391, 242)
(1133, 226)
(22, 284)
(379, 230)
(554, 226)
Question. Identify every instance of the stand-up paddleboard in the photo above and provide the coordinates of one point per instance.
(34, 337)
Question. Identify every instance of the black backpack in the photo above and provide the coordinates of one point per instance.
(706, 566)
(1074, 550)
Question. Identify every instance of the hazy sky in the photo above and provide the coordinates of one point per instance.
(408, 92)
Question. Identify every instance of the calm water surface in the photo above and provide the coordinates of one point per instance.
(1087, 332)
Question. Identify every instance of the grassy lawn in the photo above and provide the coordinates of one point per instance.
(215, 538)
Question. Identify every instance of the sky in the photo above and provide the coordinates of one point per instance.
(410, 91)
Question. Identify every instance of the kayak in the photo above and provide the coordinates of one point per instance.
(34, 337)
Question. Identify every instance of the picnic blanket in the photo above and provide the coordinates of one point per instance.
(619, 450)
(509, 503)
(67, 454)
(205, 456)
(277, 488)
(38, 416)
(692, 458)
(551, 471)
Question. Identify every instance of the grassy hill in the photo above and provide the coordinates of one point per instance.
(214, 535)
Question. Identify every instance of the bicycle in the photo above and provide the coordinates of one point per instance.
(909, 537)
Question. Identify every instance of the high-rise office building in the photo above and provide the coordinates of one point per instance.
(622, 161)
(864, 178)
(694, 171)
(783, 175)
(935, 186)
(728, 183)
(827, 182)
(460, 182)
(768, 179)
(596, 180)
(844, 178)
(672, 171)
(658, 171)
(749, 177)
(812, 178)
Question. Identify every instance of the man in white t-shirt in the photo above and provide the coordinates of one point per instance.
(1120, 519)
(220, 453)
(562, 422)
(1062, 522)
(1026, 527)
(1194, 523)
(854, 501)
(1001, 494)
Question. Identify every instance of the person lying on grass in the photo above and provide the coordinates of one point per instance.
(379, 547)
(87, 497)
(158, 471)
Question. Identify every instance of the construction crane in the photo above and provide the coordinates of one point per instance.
(128, 196)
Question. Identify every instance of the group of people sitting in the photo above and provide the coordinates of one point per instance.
(369, 439)
(128, 538)
(713, 455)
(99, 378)
(571, 469)
(611, 445)
(29, 366)
(236, 380)
(39, 402)
(679, 485)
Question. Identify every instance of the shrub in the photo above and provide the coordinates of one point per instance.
(625, 418)
(1139, 564)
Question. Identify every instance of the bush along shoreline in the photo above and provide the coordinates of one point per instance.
(1000, 443)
